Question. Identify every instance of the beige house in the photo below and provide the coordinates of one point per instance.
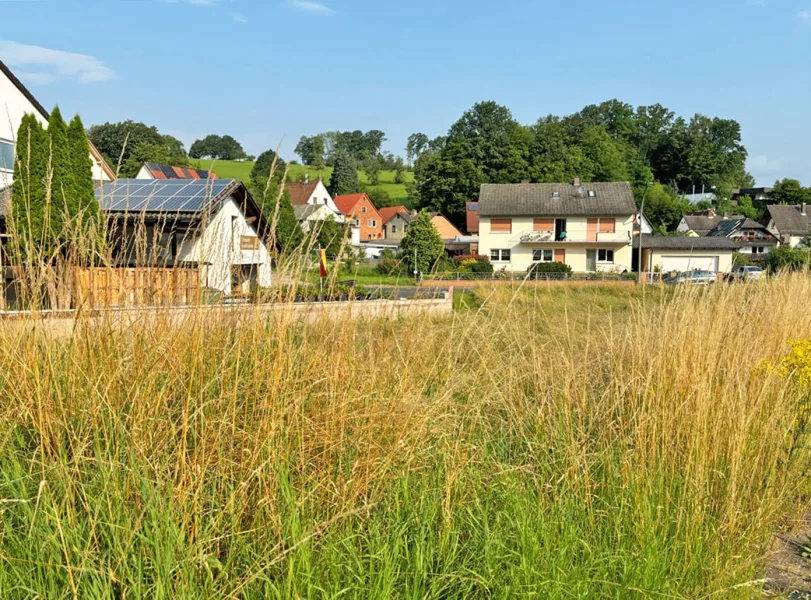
(788, 223)
(588, 226)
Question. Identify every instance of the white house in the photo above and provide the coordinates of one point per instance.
(701, 223)
(314, 193)
(214, 225)
(789, 223)
(15, 102)
(752, 238)
(588, 226)
(668, 253)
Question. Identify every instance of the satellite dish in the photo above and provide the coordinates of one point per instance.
(581, 191)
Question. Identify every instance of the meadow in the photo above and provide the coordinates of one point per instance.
(226, 169)
(557, 442)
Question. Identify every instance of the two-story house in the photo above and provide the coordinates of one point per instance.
(396, 220)
(359, 208)
(314, 193)
(589, 227)
(790, 224)
(752, 238)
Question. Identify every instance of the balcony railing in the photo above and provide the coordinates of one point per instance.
(548, 237)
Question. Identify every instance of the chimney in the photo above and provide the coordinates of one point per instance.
(576, 181)
(803, 209)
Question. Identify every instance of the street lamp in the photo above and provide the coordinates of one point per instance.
(639, 238)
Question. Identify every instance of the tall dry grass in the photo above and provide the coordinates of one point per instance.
(554, 443)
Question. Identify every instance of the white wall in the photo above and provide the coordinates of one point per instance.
(321, 196)
(219, 245)
(13, 105)
(653, 258)
(576, 246)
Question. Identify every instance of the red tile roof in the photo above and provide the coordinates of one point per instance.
(346, 203)
(159, 171)
(389, 212)
(301, 192)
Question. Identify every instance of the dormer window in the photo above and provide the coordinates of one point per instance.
(592, 194)
(556, 194)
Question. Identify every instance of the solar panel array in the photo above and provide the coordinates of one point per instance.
(725, 228)
(146, 195)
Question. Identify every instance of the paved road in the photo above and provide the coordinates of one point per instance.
(410, 291)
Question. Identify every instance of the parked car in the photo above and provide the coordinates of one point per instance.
(693, 277)
(745, 273)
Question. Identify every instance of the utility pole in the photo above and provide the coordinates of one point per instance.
(639, 237)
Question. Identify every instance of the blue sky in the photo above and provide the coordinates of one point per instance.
(263, 70)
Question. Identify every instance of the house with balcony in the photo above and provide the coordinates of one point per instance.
(753, 238)
(588, 226)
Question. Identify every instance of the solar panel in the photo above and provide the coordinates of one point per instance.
(177, 195)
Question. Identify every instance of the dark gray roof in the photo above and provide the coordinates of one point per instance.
(788, 219)
(188, 196)
(536, 199)
(673, 242)
(303, 211)
(702, 224)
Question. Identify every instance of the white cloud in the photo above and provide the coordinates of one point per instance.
(315, 8)
(239, 17)
(54, 64)
(805, 15)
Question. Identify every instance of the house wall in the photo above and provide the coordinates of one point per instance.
(396, 228)
(219, 247)
(369, 222)
(13, 105)
(321, 214)
(576, 247)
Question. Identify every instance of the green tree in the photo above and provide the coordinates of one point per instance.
(371, 167)
(344, 179)
(789, 191)
(262, 170)
(146, 152)
(330, 236)
(747, 208)
(422, 240)
(116, 141)
(664, 208)
(87, 207)
(399, 171)
(287, 231)
(62, 198)
(416, 145)
(29, 209)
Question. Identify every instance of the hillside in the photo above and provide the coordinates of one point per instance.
(242, 170)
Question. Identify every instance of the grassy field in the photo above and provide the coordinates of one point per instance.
(557, 442)
(242, 170)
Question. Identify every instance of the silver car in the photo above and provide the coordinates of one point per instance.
(693, 277)
(746, 273)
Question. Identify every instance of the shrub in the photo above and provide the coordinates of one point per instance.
(390, 266)
(739, 258)
(785, 258)
(473, 263)
(550, 267)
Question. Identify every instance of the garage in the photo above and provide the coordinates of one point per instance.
(689, 263)
(676, 254)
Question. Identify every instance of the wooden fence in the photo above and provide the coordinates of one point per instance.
(100, 287)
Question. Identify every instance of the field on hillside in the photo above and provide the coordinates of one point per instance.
(558, 442)
(242, 170)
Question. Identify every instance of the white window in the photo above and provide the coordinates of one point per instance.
(592, 194)
(556, 194)
(394, 228)
(605, 256)
(758, 250)
(371, 223)
(363, 209)
(6, 155)
(543, 255)
(500, 255)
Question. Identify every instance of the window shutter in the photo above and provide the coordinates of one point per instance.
(560, 255)
(591, 229)
(541, 224)
(608, 225)
(501, 225)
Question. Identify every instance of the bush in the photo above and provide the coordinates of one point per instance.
(390, 266)
(550, 267)
(473, 263)
(739, 258)
(785, 258)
